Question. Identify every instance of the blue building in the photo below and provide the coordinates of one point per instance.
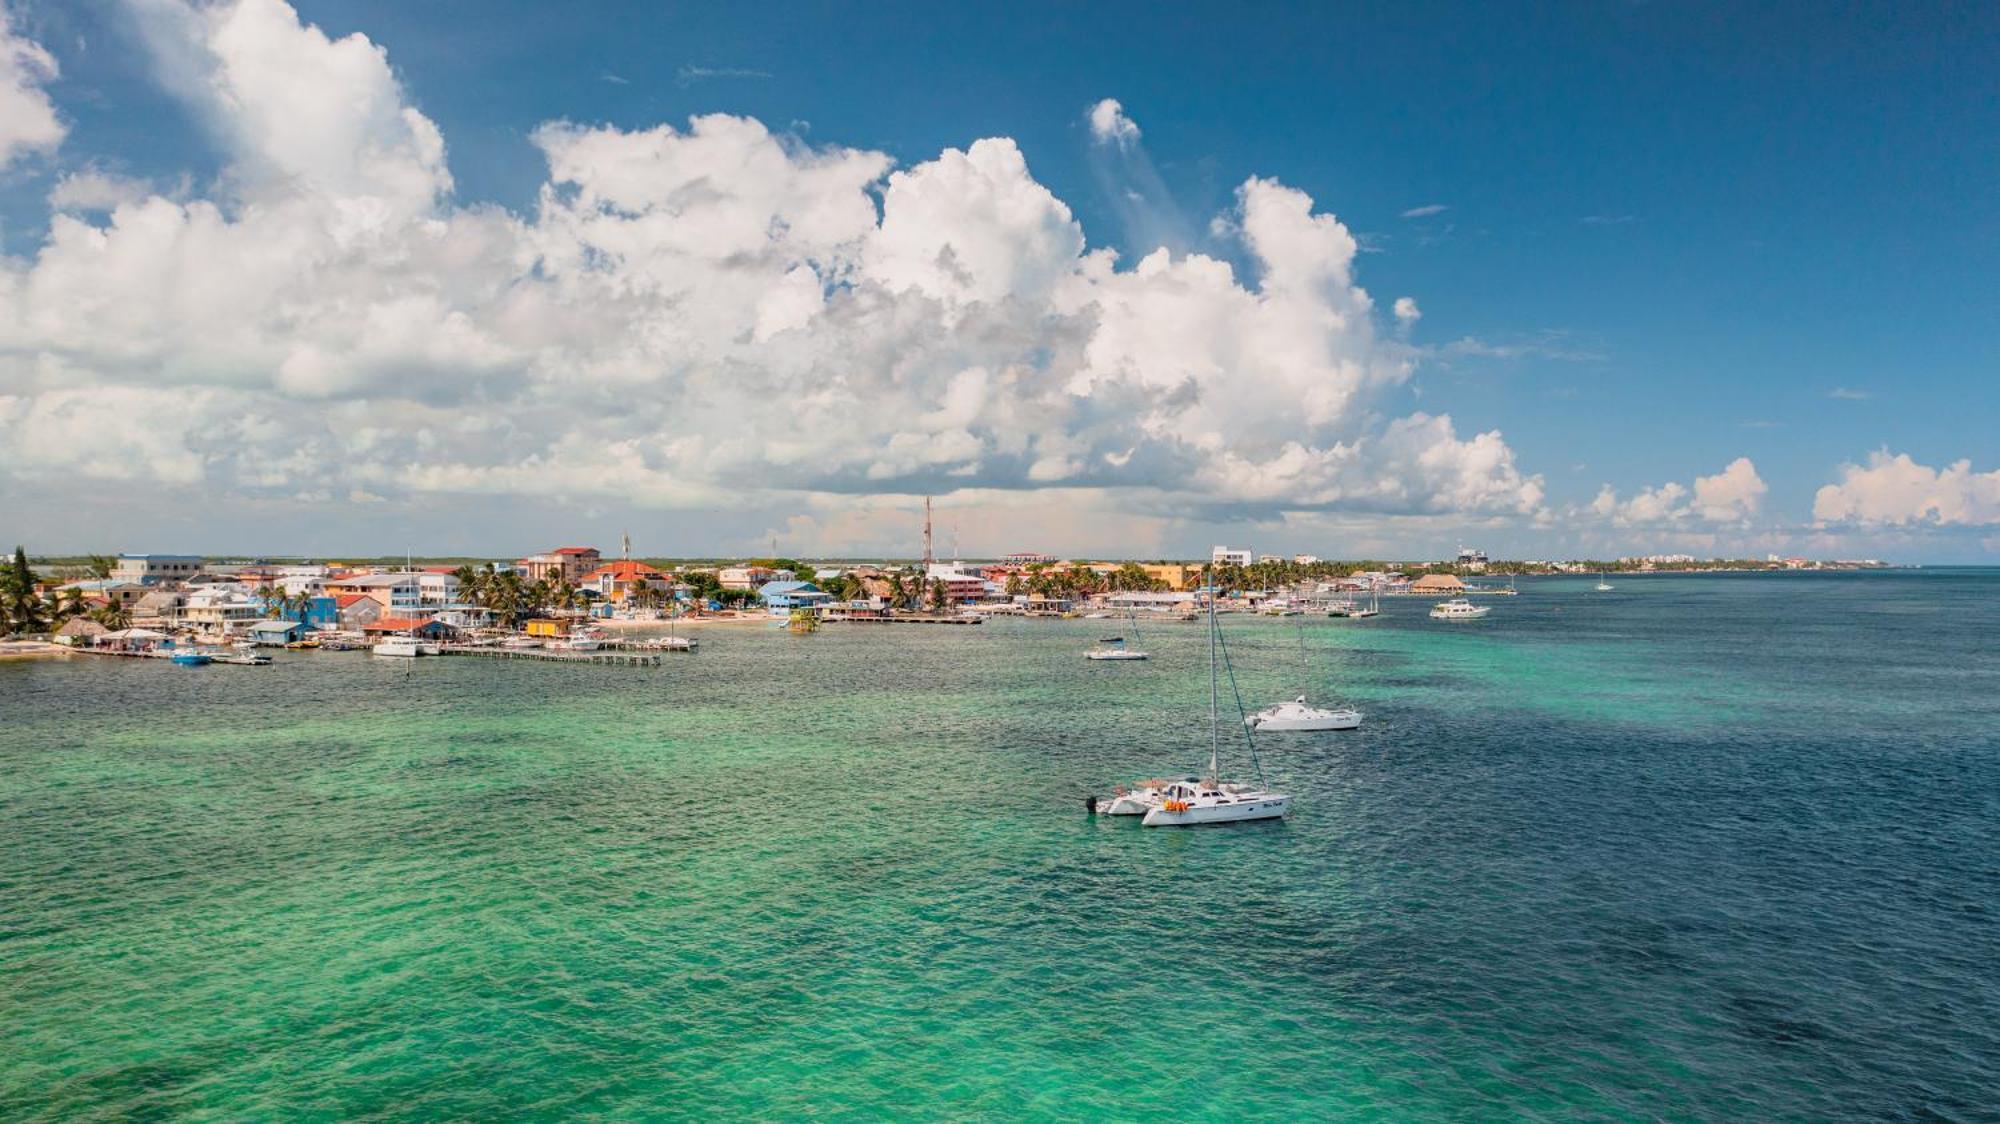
(322, 611)
(782, 597)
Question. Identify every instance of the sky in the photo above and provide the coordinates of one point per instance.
(1578, 281)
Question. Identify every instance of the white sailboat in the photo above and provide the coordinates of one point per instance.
(1297, 715)
(1210, 799)
(1602, 585)
(1112, 648)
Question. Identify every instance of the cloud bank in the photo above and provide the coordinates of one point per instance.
(1896, 490)
(688, 314)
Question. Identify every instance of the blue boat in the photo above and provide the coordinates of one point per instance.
(191, 659)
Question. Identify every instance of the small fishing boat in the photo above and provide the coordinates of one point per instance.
(247, 659)
(188, 657)
(1458, 609)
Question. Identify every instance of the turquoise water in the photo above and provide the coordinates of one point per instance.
(1704, 847)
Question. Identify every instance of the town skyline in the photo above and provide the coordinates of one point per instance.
(1349, 307)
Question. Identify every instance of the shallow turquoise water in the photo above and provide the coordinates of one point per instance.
(1704, 847)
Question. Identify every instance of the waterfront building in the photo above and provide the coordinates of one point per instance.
(781, 597)
(1443, 585)
(1150, 602)
(1027, 558)
(276, 634)
(1232, 556)
(1473, 560)
(398, 593)
(959, 584)
(221, 607)
(152, 569)
(744, 578)
(356, 611)
(571, 564)
(615, 581)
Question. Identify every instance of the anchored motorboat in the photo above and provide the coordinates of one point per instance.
(1458, 609)
(1298, 715)
(400, 647)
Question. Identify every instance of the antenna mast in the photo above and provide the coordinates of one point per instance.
(928, 557)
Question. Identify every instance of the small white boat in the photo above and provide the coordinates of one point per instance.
(1298, 716)
(1602, 585)
(1114, 650)
(520, 643)
(247, 659)
(1458, 609)
(399, 647)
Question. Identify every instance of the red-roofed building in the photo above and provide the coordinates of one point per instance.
(617, 580)
(357, 610)
(569, 563)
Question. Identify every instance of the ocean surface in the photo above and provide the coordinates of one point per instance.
(1706, 847)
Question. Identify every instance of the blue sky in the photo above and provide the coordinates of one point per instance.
(1646, 239)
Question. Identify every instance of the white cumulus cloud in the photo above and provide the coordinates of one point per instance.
(1109, 125)
(689, 315)
(1732, 496)
(1894, 489)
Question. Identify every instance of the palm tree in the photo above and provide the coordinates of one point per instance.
(113, 615)
(21, 608)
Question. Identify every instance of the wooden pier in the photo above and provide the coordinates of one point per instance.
(913, 618)
(608, 657)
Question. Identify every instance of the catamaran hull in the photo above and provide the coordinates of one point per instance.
(1103, 657)
(1267, 808)
(1130, 804)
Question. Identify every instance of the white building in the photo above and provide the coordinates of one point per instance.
(151, 569)
(1305, 559)
(1232, 556)
(222, 607)
(295, 580)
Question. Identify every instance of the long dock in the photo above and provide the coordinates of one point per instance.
(923, 619)
(613, 658)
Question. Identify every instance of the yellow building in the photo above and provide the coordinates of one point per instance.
(1179, 576)
(542, 626)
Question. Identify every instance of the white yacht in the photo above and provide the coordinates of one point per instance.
(401, 647)
(1458, 609)
(1298, 715)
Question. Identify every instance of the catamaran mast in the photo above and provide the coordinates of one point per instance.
(1214, 694)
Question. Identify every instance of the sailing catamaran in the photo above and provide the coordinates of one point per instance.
(1210, 799)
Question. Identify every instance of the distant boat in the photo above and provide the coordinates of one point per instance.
(399, 647)
(1353, 609)
(1458, 609)
(1113, 649)
(1602, 585)
(191, 658)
